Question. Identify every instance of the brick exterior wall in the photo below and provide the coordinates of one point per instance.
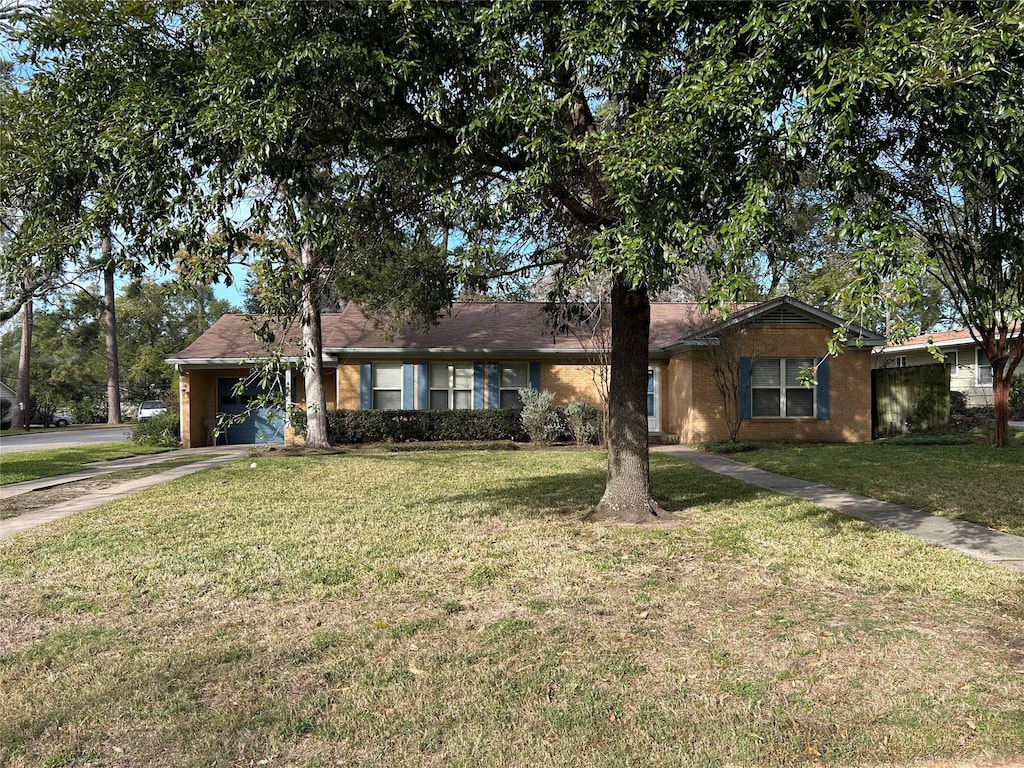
(570, 382)
(347, 396)
(692, 381)
(567, 381)
(691, 404)
(676, 395)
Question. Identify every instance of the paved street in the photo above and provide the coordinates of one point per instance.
(58, 437)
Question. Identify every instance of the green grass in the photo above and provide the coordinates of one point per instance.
(451, 609)
(972, 482)
(50, 462)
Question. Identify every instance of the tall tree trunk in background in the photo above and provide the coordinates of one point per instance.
(110, 335)
(22, 408)
(627, 494)
(312, 349)
(202, 293)
(1004, 354)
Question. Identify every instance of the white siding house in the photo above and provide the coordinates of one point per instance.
(970, 374)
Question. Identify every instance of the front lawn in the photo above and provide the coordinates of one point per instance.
(50, 462)
(972, 482)
(451, 609)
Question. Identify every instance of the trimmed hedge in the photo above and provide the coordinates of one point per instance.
(407, 426)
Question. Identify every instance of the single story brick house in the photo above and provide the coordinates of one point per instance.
(970, 370)
(481, 353)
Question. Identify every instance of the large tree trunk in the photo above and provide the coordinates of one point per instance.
(1001, 402)
(627, 494)
(312, 348)
(110, 335)
(22, 408)
(1004, 355)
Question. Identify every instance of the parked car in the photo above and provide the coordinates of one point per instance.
(150, 408)
(40, 417)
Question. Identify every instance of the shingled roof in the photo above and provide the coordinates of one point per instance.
(471, 328)
(938, 339)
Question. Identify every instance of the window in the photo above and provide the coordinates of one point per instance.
(387, 386)
(654, 399)
(984, 375)
(777, 390)
(950, 358)
(900, 361)
(451, 386)
(513, 376)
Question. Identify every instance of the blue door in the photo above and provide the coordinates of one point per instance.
(246, 423)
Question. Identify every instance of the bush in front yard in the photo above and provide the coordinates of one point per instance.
(584, 422)
(346, 426)
(578, 422)
(1017, 397)
(537, 418)
(163, 430)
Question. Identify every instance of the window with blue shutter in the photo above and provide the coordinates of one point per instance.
(823, 387)
(492, 386)
(478, 386)
(365, 386)
(744, 394)
(386, 386)
(408, 390)
(423, 386)
(511, 378)
(451, 386)
(774, 387)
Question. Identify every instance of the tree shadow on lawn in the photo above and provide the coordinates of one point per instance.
(676, 486)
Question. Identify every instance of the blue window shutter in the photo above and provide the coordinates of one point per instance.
(823, 384)
(492, 386)
(478, 386)
(746, 396)
(365, 386)
(535, 376)
(408, 372)
(423, 388)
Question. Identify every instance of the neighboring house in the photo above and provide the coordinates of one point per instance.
(970, 371)
(480, 354)
(7, 396)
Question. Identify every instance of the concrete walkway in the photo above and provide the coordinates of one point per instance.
(214, 457)
(971, 539)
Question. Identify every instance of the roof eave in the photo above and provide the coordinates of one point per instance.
(233, 362)
(959, 341)
(857, 336)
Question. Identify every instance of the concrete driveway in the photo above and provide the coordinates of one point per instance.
(63, 437)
